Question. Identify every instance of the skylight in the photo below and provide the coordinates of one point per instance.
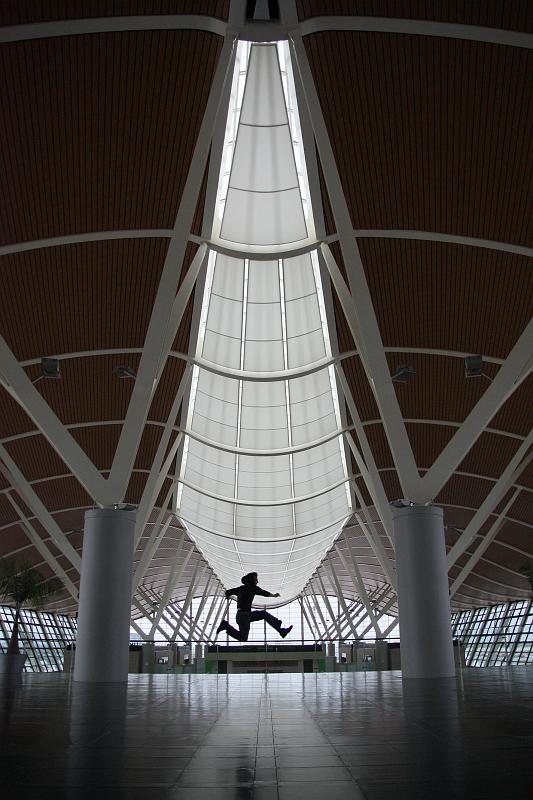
(263, 480)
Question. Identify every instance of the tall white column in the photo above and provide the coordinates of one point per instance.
(423, 594)
(102, 646)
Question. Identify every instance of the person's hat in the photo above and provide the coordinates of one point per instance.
(251, 578)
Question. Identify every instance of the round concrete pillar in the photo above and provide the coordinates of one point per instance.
(423, 595)
(102, 645)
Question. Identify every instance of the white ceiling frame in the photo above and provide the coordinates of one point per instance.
(353, 610)
(373, 538)
(139, 631)
(359, 233)
(417, 27)
(27, 396)
(173, 579)
(264, 31)
(487, 539)
(212, 607)
(500, 488)
(360, 315)
(154, 540)
(328, 567)
(315, 627)
(167, 305)
(258, 503)
(325, 597)
(40, 545)
(365, 459)
(355, 575)
(317, 604)
(152, 488)
(247, 451)
(159, 339)
(84, 26)
(259, 376)
(357, 303)
(159, 471)
(511, 374)
(205, 595)
(190, 594)
(13, 474)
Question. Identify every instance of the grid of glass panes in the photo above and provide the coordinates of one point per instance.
(498, 635)
(314, 623)
(43, 637)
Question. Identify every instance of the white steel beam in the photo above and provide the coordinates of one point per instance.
(356, 301)
(363, 325)
(483, 545)
(154, 540)
(166, 308)
(156, 350)
(317, 608)
(13, 474)
(38, 543)
(211, 609)
(27, 396)
(353, 571)
(138, 630)
(195, 580)
(328, 566)
(218, 615)
(325, 597)
(506, 480)
(152, 488)
(359, 233)
(201, 605)
(513, 371)
(173, 579)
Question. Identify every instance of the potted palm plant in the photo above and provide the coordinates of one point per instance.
(21, 585)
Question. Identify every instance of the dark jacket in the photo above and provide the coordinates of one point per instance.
(245, 596)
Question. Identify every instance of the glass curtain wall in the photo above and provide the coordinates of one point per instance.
(43, 637)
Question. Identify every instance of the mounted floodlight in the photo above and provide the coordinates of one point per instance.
(473, 366)
(403, 374)
(50, 368)
(123, 371)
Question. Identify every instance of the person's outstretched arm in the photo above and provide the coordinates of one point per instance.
(264, 593)
(229, 592)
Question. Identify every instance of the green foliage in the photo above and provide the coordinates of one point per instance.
(22, 584)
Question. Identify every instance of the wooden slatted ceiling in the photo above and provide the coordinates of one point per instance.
(511, 14)
(429, 133)
(13, 12)
(81, 297)
(98, 131)
(440, 391)
(446, 296)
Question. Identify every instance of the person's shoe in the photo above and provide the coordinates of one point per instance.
(284, 631)
(222, 627)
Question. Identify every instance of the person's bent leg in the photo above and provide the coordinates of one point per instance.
(233, 632)
(243, 621)
(274, 622)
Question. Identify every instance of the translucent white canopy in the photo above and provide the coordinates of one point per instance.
(264, 486)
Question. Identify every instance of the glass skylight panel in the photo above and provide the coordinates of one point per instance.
(263, 203)
(259, 489)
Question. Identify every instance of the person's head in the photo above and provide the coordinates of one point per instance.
(250, 579)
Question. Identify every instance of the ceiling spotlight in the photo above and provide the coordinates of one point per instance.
(473, 366)
(123, 371)
(403, 373)
(50, 368)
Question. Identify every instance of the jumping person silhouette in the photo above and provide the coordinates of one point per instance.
(245, 616)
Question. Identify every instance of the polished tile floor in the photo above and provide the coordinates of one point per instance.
(276, 737)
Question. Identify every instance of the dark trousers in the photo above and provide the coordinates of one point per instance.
(244, 620)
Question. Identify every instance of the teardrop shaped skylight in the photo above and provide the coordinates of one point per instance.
(263, 480)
